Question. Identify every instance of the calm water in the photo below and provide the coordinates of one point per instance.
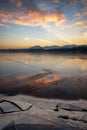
(27, 70)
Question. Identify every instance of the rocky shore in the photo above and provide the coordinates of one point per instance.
(22, 112)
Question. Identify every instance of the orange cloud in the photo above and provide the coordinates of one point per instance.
(33, 18)
(42, 81)
(80, 23)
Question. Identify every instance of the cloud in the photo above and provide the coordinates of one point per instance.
(80, 23)
(84, 13)
(32, 18)
(55, 1)
(47, 6)
(84, 1)
(2, 24)
(31, 13)
(26, 38)
(36, 39)
(85, 35)
(18, 3)
(74, 2)
(45, 41)
(78, 14)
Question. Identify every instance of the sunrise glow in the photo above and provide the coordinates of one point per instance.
(26, 23)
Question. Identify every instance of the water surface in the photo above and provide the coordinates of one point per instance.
(45, 75)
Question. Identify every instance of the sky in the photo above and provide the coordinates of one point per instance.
(26, 23)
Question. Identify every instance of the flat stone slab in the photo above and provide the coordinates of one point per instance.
(70, 107)
(75, 116)
(23, 105)
(42, 114)
(8, 106)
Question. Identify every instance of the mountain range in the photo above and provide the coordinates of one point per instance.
(57, 49)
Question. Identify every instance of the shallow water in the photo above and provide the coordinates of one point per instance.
(30, 63)
(20, 71)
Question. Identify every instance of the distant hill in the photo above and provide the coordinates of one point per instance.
(36, 48)
(51, 47)
(54, 49)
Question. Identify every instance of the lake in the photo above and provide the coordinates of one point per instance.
(44, 75)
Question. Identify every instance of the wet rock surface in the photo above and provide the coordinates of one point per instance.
(30, 113)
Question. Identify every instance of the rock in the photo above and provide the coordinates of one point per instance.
(1, 111)
(69, 107)
(42, 115)
(8, 118)
(23, 105)
(75, 119)
(7, 106)
(56, 109)
(37, 127)
(75, 116)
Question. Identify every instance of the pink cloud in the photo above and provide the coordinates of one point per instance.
(56, 1)
(84, 0)
(77, 14)
(81, 14)
(33, 18)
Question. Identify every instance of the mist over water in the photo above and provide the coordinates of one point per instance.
(44, 75)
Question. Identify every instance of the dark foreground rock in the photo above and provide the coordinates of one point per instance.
(37, 127)
(30, 113)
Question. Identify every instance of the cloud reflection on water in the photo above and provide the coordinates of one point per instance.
(47, 85)
(44, 75)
